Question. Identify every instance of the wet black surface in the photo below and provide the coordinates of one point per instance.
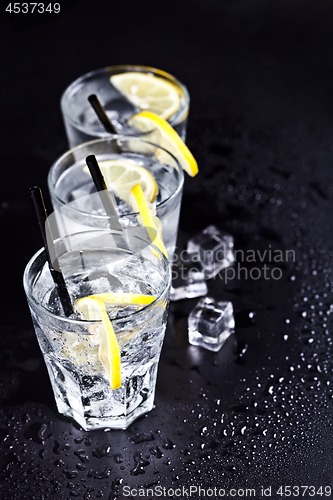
(259, 412)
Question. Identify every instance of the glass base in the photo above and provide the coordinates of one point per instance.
(93, 405)
(94, 423)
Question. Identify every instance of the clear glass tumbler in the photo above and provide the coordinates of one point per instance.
(79, 208)
(80, 120)
(95, 263)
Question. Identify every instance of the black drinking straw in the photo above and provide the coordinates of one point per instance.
(57, 276)
(100, 112)
(102, 188)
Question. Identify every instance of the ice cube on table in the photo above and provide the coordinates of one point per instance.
(188, 280)
(210, 323)
(213, 249)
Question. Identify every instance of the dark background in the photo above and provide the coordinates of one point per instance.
(259, 412)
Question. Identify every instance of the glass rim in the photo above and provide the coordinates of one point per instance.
(111, 138)
(179, 116)
(43, 310)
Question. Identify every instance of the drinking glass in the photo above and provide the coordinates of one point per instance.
(80, 120)
(79, 208)
(93, 263)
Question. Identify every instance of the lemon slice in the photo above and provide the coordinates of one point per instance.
(168, 139)
(126, 298)
(148, 92)
(92, 309)
(121, 176)
(147, 218)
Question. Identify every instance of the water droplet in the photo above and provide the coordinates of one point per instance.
(118, 458)
(71, 474)
(102, 452)
(81, 454)
(85, 439)
(140, 464)
(104, 474)
(156, 452)
(141, 438)
(168, 444)
(59, 448)
(37, 432)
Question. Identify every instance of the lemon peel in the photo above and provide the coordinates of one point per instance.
(125, 298)
(168, 139)
(147, 218)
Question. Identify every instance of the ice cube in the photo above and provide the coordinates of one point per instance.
(210, 323)
(188, 280)
(213, 248)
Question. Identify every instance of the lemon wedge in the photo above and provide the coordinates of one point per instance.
(126, 298)
(148, 92)
(147, 217)
(167, 138)
(120, 176)
(93, 308)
